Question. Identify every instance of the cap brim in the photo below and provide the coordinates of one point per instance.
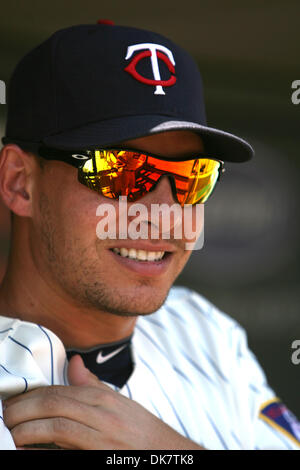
(217, 143)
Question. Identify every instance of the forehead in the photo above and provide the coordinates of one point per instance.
(168, 144)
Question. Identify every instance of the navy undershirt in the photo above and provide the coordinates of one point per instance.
(116, 369)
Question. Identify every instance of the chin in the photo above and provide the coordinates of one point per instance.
(144, 300)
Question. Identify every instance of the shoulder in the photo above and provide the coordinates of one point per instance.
(184, 298)
(188, 322)
(31, 356)
(24, 333)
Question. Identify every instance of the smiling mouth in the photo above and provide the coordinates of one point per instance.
(140, 255)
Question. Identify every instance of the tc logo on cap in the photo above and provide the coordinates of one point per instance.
(155, 52)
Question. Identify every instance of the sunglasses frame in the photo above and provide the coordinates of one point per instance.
(76, 156)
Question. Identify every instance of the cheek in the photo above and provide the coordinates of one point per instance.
(67, 211)
(81, 217)
(77, 220)
(75, 205)
(193, 221)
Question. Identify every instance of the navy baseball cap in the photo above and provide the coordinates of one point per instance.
(90, 86)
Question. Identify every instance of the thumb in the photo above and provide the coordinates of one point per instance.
(78, 374)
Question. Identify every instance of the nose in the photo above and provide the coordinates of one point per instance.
(162, 193)
(163, 213)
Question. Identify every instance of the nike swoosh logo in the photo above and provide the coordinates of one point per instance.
(100, 358)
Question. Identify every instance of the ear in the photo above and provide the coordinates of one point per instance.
(16, 179)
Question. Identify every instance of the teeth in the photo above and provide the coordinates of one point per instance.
(132, 253)
(151, 255)
(140, 255)
(124, 252)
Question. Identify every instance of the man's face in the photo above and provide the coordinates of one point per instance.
(84, 269)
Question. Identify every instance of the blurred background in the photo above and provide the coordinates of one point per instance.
(248, 54)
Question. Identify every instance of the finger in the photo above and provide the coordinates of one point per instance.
(89, 392)
(89, 395)
(46, 407)
(78, 374)
(63, 432)
(95, 408)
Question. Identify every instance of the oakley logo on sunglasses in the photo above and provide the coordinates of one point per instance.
(77, 156)
(155, 52)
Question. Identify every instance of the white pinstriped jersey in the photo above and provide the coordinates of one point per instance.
(192, 369)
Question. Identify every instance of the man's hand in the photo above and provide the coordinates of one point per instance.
(87, 415)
